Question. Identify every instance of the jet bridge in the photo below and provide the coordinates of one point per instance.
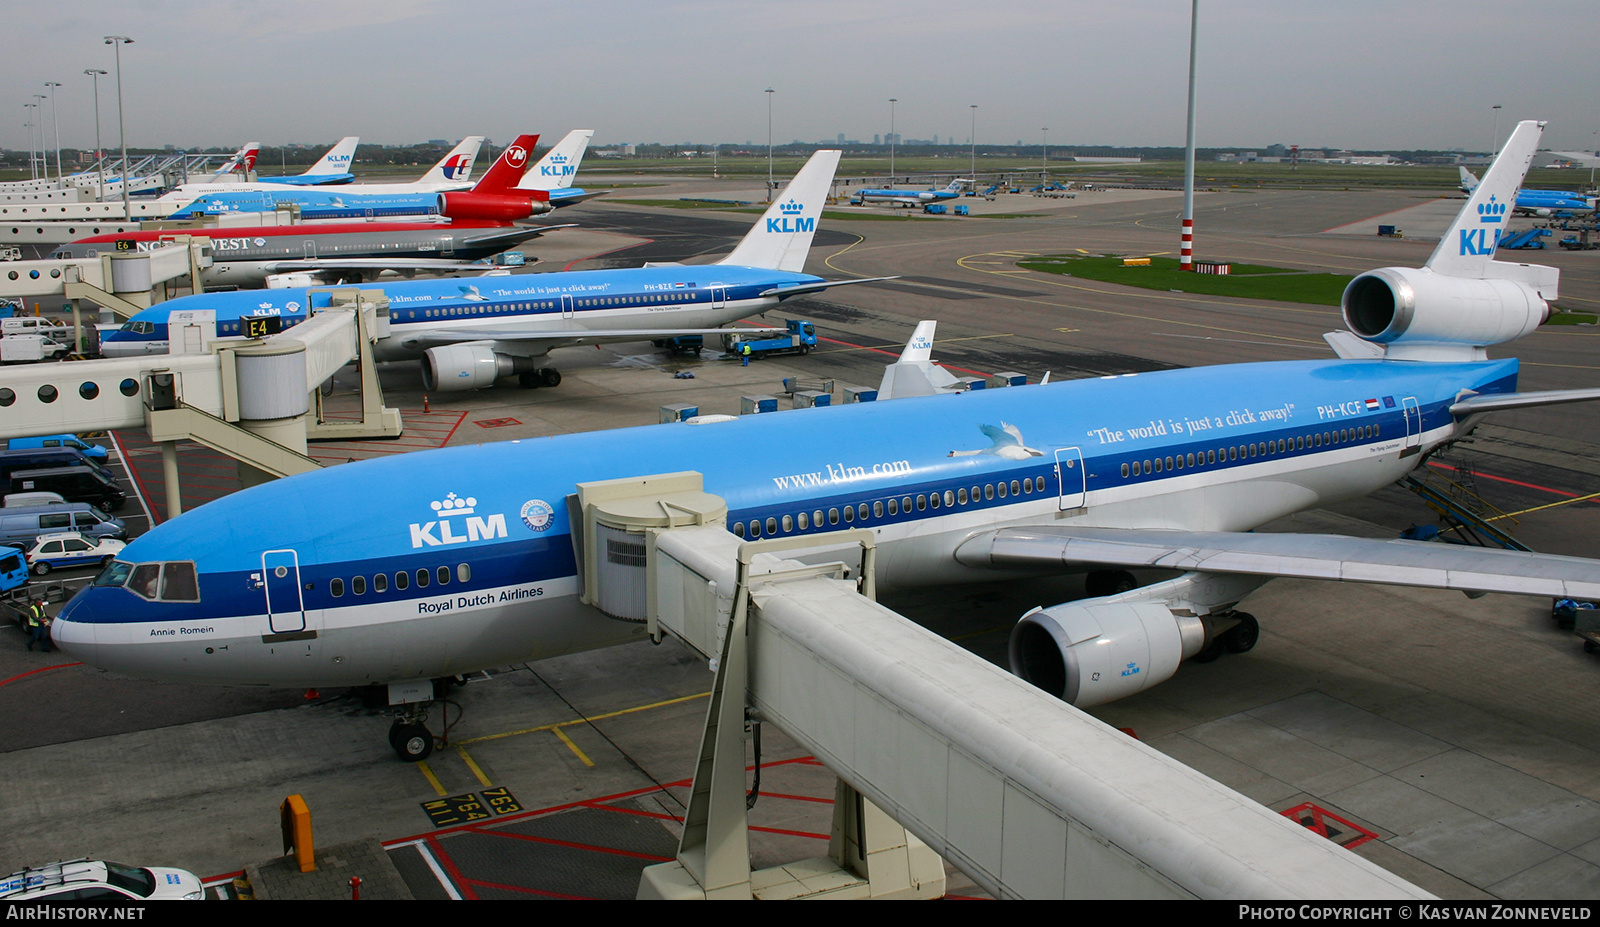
(121, 281)
(937, 751)
(249, 399)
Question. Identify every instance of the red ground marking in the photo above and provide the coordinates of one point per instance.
(658, 815)
(589, 847)
(1129, 732)
(824, 801)
(495, 422)
(790, 833)
(1501, 479)
(449, 864)
(524, 890)
(42, 669)
(1319, 824)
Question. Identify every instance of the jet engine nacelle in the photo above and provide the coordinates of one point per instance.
(1393, 305)
(457, 367)
(1089, 654)
(493, 206)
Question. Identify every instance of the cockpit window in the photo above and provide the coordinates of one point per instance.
(175, 581)
(114, 575)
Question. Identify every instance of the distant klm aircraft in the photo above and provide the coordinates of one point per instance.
(333, 167)
(1541, 203)
(418, 567)
(910, 197)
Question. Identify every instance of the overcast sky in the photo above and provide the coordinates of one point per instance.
(1364, 74)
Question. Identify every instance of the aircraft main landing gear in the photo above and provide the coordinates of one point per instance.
(1241, 638)
(544, 376)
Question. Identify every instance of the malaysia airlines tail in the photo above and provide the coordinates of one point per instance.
(455, 167)
(782, 238)
(558, 167)
(506, 172)
(243, 162)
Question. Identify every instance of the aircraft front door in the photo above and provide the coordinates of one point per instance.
(1413, 417)
(1070, 477)
(719, 296)
(280, 579)
(566, 306)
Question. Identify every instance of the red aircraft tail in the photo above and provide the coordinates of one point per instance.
(508, 169)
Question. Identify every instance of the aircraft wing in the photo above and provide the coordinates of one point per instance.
(797, 289)
(1427, 564)
(562, 338)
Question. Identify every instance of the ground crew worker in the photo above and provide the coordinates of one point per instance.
(38, 626)
(744, 349)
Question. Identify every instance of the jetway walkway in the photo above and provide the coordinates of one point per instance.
(936, 750)
(249, 399)
(120, 281)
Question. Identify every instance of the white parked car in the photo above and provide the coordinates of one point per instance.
(70, 549)
(86, 880)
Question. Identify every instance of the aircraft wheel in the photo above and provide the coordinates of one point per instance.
(1108, 582)
(1242, 637)
(41, 568)
(528, 379)
(1212, 651)
(549, 376)
(412, 742)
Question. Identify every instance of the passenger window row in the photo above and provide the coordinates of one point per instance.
(863, 512)
(1249, 451)
(87, 390)
(402, 580)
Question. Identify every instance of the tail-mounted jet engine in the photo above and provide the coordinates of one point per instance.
(1394, 305)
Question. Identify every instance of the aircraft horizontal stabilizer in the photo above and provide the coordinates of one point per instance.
(1301, 556)
(796, 290)
(1497, 402)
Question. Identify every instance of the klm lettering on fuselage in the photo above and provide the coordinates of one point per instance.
(1478, 241)
(478, 529)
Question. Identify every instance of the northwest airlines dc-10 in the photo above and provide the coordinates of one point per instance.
(427, 565)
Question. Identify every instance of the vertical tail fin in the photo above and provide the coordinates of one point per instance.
(915, 374)
(503, 175)
(455, 167)
(781, 238)
(559, 165)
(337, 160)
(1467, 249)
(1469, 183)
(243, 161)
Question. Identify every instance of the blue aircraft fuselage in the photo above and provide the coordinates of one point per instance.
(441, 562)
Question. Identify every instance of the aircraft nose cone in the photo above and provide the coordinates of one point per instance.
(76, 638)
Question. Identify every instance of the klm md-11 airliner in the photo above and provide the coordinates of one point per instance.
(427, 565)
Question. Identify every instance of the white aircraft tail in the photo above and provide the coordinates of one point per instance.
(337, 160)
(455, 167)
(1468, 248)
(781, 238)
(1469, 183)
(243, 161)
(559, 165)
(915, 373)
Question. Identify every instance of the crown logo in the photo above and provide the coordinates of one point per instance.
(454, 505)
(558, 159)
(1491, 211)
(791, 208)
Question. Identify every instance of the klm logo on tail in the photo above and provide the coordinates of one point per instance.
(558, 167)
(784, 224)
(1478, 241)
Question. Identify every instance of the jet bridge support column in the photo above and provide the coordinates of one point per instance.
(272, 398)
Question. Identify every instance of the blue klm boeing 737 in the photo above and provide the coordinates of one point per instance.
(437, 563)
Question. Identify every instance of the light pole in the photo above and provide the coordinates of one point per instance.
(56, 122)
(1044, 156)
(99, 155)
(973, 138)
(892, 102)
(33, 167)
(1494, 140)
(44, 159)
(116, 42)
(1186, 248)
(769, 92)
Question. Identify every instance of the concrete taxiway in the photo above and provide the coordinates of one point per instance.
(1446, 739)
